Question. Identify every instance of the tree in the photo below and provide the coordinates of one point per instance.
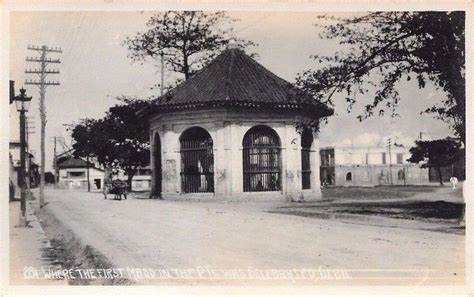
(380, 49)
(188, 39)
(436, 154)
(118, 140)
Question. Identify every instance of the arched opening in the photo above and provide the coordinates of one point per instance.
(158, 169)
(261, 160)
(197, 161)
(349, 176)
(306, 142)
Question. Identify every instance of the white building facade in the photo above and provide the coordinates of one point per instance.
(370, 166)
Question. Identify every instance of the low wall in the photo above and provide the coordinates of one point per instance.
(376, 175)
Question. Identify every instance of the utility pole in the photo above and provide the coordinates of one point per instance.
(42, 73)
(55, 164)
(390, 159)
(87, 161)
(29, 130)
(56, 139)
(88, 181)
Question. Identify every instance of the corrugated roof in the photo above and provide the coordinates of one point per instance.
(235, 79)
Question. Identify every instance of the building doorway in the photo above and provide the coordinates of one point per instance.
(97, 183)
(306, 143)
(158, 171)
(261, 160)
(197, 161)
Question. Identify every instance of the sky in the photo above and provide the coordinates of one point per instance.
(95, 69)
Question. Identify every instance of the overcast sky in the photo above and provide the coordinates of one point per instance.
(95, 69)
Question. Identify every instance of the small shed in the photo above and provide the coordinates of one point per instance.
(229, 132)
(73, 174)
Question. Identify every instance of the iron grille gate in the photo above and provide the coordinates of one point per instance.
(261, 160)
(306, 142)
(197, 161)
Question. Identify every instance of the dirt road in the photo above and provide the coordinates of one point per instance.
(150, 233)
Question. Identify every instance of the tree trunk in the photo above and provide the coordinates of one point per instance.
(130, 176)
(107, 171)
(185, 67)
(107, 179)
(440, 176)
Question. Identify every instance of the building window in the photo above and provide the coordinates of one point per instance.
(399, 158)
(77, 174)
(365, 176)
(197, 161)
(384, 158)
(349, 176)
(261, 160)
(367, 159)
(306, 142)
(97, 182)
(401, 174)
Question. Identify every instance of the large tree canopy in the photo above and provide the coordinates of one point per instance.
(188, 39)
(118, 140)
(436, 153)
(380, 49)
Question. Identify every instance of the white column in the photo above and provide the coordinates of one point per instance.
(171, 161)
(292, 162)
(221, 163)
(235, 161)
(315, 160)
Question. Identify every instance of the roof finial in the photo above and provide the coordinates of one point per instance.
(232, 44)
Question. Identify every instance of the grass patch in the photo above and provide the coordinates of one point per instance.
(381, 192)
(410, 210)
(441, 210)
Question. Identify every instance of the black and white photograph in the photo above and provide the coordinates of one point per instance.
(235, 146)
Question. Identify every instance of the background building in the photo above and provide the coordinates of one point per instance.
(370, 166)
(31, 169)
(73, 175)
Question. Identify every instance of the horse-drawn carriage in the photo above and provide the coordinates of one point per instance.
(118, 188)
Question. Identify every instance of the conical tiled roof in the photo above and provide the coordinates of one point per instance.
(235, 79)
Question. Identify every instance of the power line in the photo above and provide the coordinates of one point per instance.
(254, 23)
